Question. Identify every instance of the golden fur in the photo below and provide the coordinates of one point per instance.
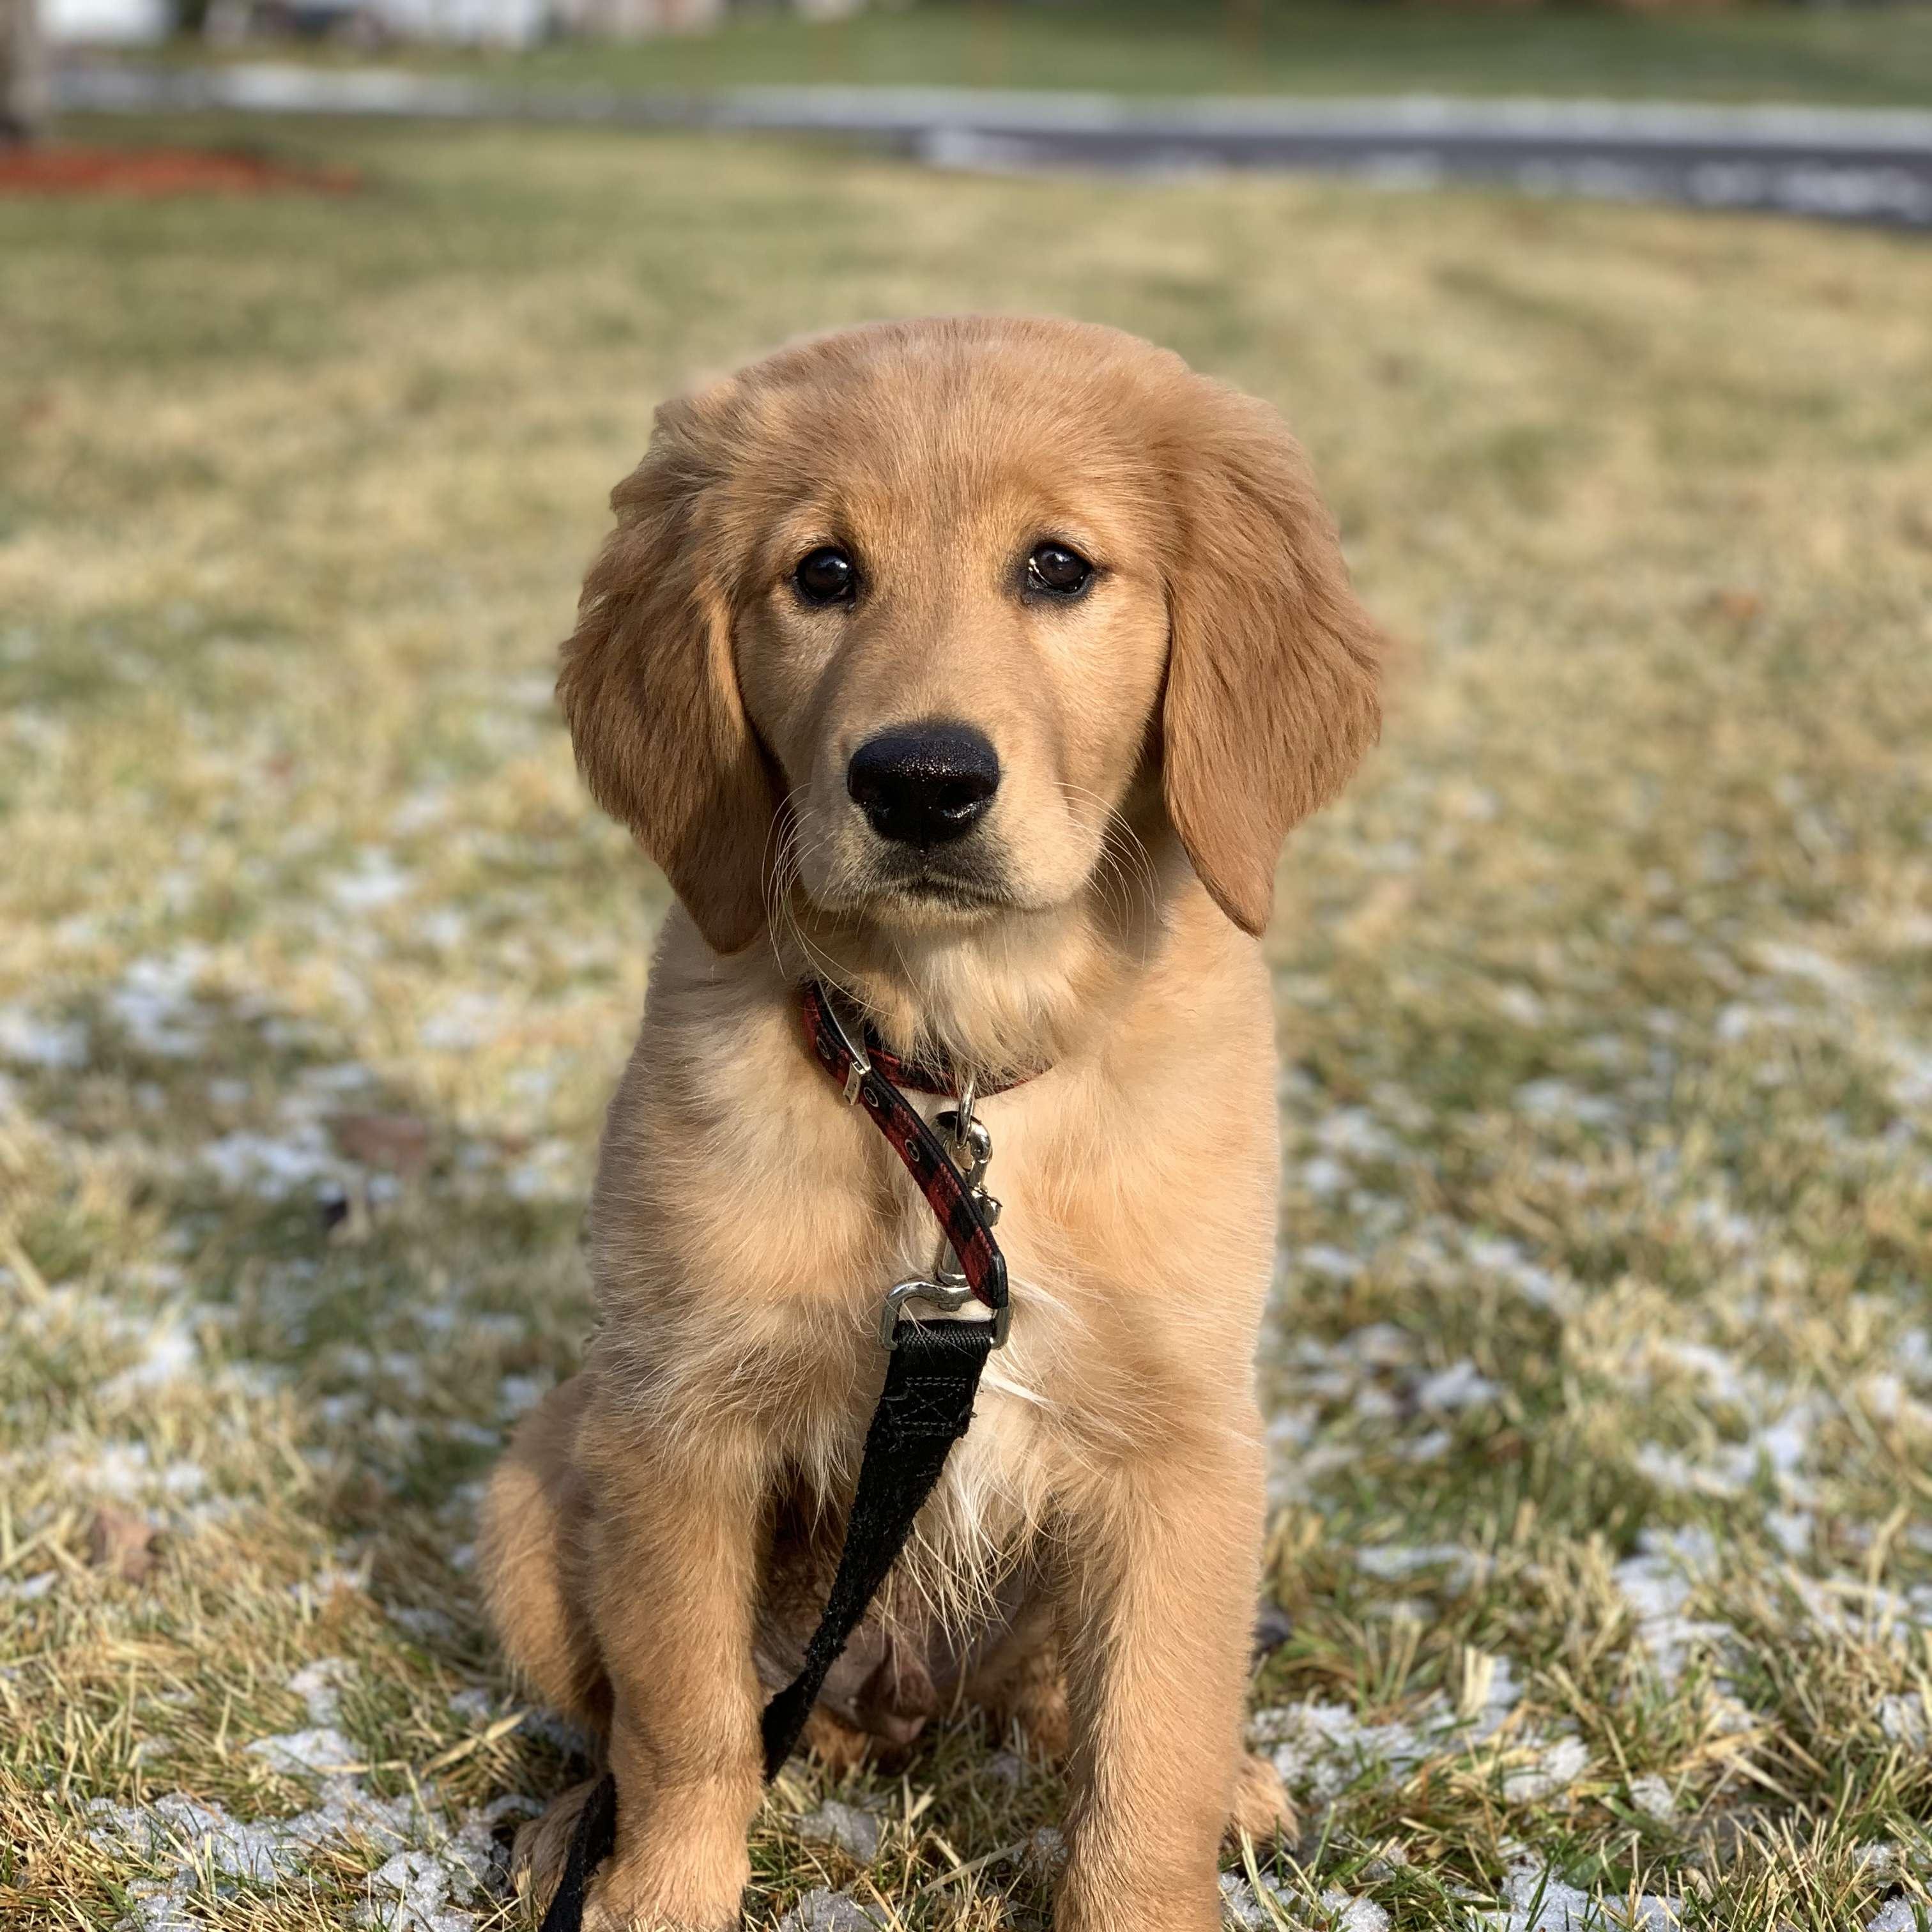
(658, 1537)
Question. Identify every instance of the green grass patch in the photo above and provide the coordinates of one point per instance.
(1880, 56)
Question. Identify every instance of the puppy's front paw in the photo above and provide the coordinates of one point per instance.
(601, 1916)
(681, 1888)
(1104, 1901)
(541, 1846)
(1262, 1808)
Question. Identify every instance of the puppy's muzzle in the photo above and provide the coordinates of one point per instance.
(924, 784)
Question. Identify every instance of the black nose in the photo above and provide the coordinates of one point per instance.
(924, 784)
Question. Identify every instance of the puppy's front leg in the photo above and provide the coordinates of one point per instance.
(1158, 1601)
(675, 1553)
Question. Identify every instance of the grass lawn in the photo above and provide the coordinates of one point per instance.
(1866, 55)
(1602, 1362)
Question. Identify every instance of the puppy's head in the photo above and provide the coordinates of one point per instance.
(897, 616)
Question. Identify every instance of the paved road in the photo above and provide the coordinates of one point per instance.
(1841, 164)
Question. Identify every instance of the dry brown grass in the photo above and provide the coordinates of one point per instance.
(1602, 1359)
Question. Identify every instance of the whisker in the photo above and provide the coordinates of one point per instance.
(1124, 865)
(778, 880)
(823, 966)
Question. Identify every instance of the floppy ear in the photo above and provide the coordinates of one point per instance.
(1273, 677)
(651, 694)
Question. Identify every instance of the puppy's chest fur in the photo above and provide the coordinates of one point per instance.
(747, 1227)
(994, 1492)
(795, 1355)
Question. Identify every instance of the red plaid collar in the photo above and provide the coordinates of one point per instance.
(840, 1048)
(872, 1079)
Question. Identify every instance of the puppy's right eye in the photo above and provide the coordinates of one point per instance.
(827, 575)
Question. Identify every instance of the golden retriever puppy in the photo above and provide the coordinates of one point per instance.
(973, 668)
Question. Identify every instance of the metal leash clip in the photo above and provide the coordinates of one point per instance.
(948, 1290)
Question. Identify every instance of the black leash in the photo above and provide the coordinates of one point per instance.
(932, 1379)
(590, 1845)
(928, 1402)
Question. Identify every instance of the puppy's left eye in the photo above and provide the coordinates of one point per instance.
(1058, 571)
(827, 575)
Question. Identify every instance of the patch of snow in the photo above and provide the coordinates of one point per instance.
(1396, 1562)
(52, 1044)
(1324, 1176)
(1355, 1133)
(1742, 1019)
(319, 1685)
(822, 1911)
(1333, 1264)
(1046, 1849)
(1560, 1766)
(434, 1879)
(438, 1888)
(1653, 1913)
(270, 1167)
(1673, 1472)
(423, 806)
(467, 1019)
(1801, 962)
(321, 1749)
(155, 1006)
(446, 927)
(376, 881)
(1242, 1911)
(124, 1471)
(516, 1393)
(1348, 1914)
(1537, 1900)
(1895, 1916)
(1912, 1077)
(1725, 1227)
(1322, 1747)
(170, 1355)
(1719, 1373)
(1377, 1345)
(855, 1832)
(1651, 1796)
(160, 1908)
(1902, 1719)
(1519, 1003)
(1291, 1429)
(426, 1624)
(1496, 1255)
(338, 1077)
(1657, 1583)
(1553, 1099)
(179, 1832)
(546, 1173)
(1461, 1385)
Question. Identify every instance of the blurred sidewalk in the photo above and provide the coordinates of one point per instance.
(1873, 165)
